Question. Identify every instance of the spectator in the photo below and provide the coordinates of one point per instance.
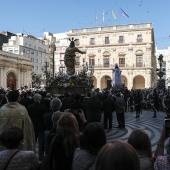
(55, 106)
(162, 161)
(108, 108)
(120, 111)
(55, 117)
(12, 139)
(64, 143)
(94, 109)
(36, 112)
(142, 144)
(117, 156)
(14, 114)
(92, 140)
(26, 100)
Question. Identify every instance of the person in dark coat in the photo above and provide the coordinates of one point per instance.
(137, 102)
(55, 106)
(120, 111)
(108, 108)
(94, 109)
(26, 100)
(36, 112)
(155, 102)
(75, 107)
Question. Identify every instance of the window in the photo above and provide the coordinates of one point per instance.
(106, 62)
(122, 61)
(28, 51)
(92, 41)
(139, 38)
(77, 42)
(107, 41)
(36, 60)
(139, 61)
(77, 61)
(121, 39)
(91, 61)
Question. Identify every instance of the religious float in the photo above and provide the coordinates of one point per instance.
(70, 81)
(61, 83)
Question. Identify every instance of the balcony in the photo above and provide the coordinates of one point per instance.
(91, 43)
(139, 40)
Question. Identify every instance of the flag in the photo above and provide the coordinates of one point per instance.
(96, 19)
(113, 14)
(103, 16)
(123, 13)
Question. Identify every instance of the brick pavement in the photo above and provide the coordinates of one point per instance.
(152, 126)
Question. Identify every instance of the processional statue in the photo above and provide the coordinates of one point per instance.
(116, 74)
(69, 58)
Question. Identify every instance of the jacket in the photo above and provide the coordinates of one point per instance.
(15, 115)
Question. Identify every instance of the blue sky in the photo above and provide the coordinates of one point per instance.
(56, 16)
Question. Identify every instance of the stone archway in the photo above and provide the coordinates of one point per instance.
(11, 81)
(105, 82)
(124, 80)
(94, 82)
(139, 82)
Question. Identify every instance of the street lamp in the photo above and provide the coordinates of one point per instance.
(33, 76)
(160, 73)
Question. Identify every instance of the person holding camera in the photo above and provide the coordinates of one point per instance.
(163, 161)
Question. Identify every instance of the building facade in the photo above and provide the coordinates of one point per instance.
(131, 46)
(15, 70)
(30, 47)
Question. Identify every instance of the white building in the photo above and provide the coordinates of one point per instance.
(61, 44)
(29, 46)
(15, 70)
(131, 46)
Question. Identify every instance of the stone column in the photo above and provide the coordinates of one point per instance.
(2, 76)
(130, 79)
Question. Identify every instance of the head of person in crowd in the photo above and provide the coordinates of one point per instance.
(48, 96)
(68, 130)
(12, 138)
(13, 96)
(93, 94)
(37, 97)
(55, 104)
(77, 96)
(140, 140)
(117, 156)
(55, 117)
(93, 137)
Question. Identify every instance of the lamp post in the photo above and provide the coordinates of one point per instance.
(160, 73)
(33, 75)
(46, 72)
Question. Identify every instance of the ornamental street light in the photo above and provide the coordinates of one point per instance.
(160, 73)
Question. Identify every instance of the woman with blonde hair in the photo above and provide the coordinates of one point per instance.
(117, 156)
(64, 143)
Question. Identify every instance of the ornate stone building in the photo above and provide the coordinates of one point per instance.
(15, 70)
(131, 46)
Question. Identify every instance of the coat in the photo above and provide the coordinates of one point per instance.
(36, 112)
(15, 115)
(23, 160)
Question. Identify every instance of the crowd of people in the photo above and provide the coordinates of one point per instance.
(69, 130)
